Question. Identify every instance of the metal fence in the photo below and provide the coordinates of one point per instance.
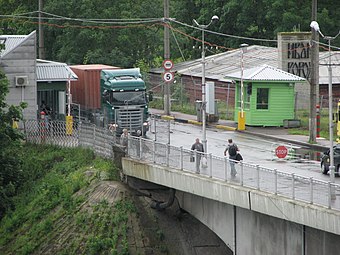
(79, 134)
(296, 187)
(293, 186)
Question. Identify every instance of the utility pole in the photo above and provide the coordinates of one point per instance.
(314, 78)
(166, 56)
(41, 50)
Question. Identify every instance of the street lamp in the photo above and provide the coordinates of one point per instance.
(241, 115)
(203, 27)
(314, 25)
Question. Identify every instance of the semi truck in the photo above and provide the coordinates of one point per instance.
(112, 97)
(124, 101)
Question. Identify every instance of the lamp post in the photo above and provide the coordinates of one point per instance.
(203, 27)
(314, 25)
(241, 125)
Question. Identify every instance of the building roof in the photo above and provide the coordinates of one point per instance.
(11, 42)
(323, 67)
(265, 73)
(48, 71)
(218, 66)
(94, 67)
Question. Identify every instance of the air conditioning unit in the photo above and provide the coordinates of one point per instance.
(21, 81)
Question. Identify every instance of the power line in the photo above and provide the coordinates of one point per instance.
(136, 21)
(107, 21)
(221, 34)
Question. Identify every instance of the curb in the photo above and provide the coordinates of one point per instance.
(229, 128)
(167, 117)
(305, 144)
(225, 127)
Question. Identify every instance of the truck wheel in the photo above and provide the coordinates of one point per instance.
(323, 168)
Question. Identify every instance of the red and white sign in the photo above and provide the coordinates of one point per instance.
(168, 64)
(168, 76)
(281, 151)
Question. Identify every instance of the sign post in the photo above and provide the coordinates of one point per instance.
(168, 64)
(168, 76)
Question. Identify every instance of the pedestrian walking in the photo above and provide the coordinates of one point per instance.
(44, 108)
(198, 147)
(232, 150)
(124, 139)
(138, 144)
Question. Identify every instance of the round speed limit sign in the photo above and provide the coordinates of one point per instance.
(168, 76)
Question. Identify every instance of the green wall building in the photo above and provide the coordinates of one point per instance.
(268, 95)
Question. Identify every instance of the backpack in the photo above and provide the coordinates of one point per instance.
(232, 150)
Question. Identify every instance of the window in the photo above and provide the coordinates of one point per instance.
(127, 97)
(262, 98)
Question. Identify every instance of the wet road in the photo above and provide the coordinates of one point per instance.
(255, 150)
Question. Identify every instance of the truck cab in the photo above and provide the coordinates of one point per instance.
(124, 101)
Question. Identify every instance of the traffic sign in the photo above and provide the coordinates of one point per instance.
(168, 64)
(281, 151)
(168, 76)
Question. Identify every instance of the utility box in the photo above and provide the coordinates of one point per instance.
(212, 112)
(293, 123)
(210, 97)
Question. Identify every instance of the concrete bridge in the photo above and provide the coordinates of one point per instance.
(262, 211)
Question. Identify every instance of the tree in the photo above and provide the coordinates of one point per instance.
(10, 140)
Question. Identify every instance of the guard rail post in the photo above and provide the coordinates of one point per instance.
(94, 135)
(196, 163)
(293, 186)
(167, 154)
(154, 151)
(154, 119)
(225, 168)
(275, 182)
(311, 189)
(210, 165)
(140, 147)
(329, 195)
(181, 158)
(258, 176)
(241, 181)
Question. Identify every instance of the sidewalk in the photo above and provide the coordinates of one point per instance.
(275, 133)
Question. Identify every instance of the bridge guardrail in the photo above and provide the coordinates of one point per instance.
(296, 187)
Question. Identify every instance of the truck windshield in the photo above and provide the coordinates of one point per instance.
(128, 97)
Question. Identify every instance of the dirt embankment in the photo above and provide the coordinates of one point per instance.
(113, 213)
(169, 231)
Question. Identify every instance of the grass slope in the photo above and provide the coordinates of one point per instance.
(69, 206)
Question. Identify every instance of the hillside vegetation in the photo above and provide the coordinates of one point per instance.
(70, 203)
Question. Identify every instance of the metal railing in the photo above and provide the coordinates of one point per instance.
(293, 186)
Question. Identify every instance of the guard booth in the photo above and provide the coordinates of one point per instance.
(268, 95)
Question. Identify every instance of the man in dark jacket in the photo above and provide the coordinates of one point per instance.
(198, 147)
(232, 150)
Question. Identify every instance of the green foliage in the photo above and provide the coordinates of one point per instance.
(55, 187)
(178, 93)
(303, 116)
(124, 45)
(10, 154)
(189, 108)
